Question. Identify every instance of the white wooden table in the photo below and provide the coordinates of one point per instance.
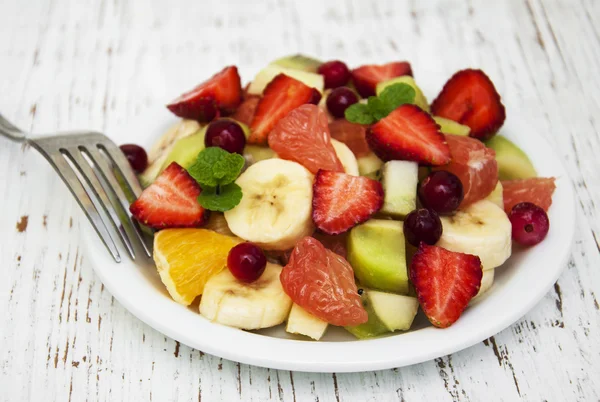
(68, 64)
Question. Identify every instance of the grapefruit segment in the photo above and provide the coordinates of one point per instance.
(537, 190)
(351, 134)
(475, 165)
(322, 282)
(303, 136)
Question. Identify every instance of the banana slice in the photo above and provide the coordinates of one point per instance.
(482, 229)
(496, 196)
(487, 280)
(346, 156)
(276, 208)
(260, 304)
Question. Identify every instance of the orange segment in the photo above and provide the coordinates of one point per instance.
(187, 258)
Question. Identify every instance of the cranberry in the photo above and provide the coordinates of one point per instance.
(136, 156)
(226, 134)
(441, 191)
(339, 100)
(422, 225)
(246, 262)
(336, 73)
(530, 223)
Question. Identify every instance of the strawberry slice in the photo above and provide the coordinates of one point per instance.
(342, 201)
(445, 282)
(366, 78)
(409, 133)
(470, 98)
(222, 91)
(171, 201)
(282, 95)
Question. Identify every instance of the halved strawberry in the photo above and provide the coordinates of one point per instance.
(409, 133)
(366, 78)
(171, 201)
(222, 91)
(282, 95)
(342, 201)
(470, 98)
(445, 282)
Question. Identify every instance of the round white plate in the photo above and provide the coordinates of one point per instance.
(518, 286)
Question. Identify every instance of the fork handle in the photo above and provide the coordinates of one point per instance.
(11, 131)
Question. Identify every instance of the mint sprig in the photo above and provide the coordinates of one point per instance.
(378, 107)
(215, 170)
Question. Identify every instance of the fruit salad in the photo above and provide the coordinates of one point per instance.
(321, 195)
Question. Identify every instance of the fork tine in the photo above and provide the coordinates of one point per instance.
(76, 157)
(67, 174)
(121, 162)
(107, 174)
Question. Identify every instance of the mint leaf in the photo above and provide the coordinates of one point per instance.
(377, 107)
(359, 113)
(222, 198)
(228, 168)
(215, 166)
(397, 94)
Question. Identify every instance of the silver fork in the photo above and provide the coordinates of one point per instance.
(92, 167)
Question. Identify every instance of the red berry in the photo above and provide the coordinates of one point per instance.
(246, 262)
(422, 225)
(339, 100)
(530, 223)
(225, 134)
(136, 156)
(336, 73)
(441, 191)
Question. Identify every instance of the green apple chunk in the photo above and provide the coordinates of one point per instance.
(256, 153)
(299, 62)
(420, 99)
(448, 126)
(376, 251)
(496, 196)
(387, 312)
(185, 150)
(513, 163)
(399, 180)
(267, 74)
(368, 165)
(396, 312)
(304, 323)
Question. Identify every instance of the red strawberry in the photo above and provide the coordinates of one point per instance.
(282, 95)
(409, 133)
(445, 282)
(171, 201)
(470, 98)
(223, 91)
(342, 201)
(367, 77)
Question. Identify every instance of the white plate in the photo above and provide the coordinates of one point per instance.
(518, 286)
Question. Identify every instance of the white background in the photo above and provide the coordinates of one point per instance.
(96, 64)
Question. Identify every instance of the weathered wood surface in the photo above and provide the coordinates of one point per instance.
(95, 64)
